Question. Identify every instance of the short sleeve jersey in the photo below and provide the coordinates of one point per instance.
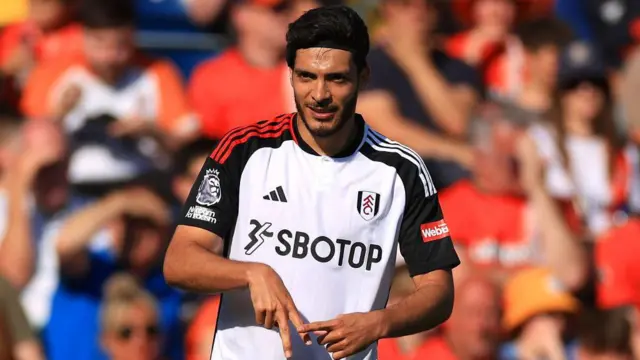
(329, 226)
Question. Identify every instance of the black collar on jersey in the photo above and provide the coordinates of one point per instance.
(347, 151)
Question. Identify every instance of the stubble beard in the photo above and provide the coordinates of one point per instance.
(344, 115)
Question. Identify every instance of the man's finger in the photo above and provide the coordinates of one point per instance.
(297, 321)
(330, 338)
(260, 315)
(337, 346)
(318, 325)
(343, 354)
(283, 327)
(268, 320)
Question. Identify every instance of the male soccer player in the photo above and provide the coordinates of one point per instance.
(297, 219)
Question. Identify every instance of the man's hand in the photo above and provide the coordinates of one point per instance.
(140, 202)
(20, 61)
(34, 155)
(532, 172)
(133, 127)
(273, 304)
(347, 334)
(66, 102)
(405, 36)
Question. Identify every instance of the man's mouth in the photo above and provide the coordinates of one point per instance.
(322, 113)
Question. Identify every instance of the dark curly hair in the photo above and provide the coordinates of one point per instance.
(336, 26)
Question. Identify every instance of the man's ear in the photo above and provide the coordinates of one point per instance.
(364, 77)
(291, 76)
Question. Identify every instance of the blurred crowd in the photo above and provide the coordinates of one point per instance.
(526, 113)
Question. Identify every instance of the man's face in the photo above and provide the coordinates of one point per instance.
(325, 85)
(411, 15)
(474, 325)
(109, 51)
(133, 333)
(495, 16)
(252, 20)
(144, 242)
(47, 14)
(543, 66)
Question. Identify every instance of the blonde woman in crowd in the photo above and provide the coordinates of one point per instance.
(129, 321)
(579, 145)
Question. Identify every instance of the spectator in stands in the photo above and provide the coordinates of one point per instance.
(489, 25)
(616, 259)
(473, 331)
(111, 78)
(124, 231)
(528, 77)
(47, 34)
(129, 321)
(249, 81)
(604, 335)
(537, 315)
(17, 340)
(36, 198)
(418, 95)
(580, 147)
(526, 226)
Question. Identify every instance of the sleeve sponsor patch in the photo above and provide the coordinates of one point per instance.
(434, 231)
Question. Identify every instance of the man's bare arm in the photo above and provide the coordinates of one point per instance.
(429, 306)
(194, 262)
(380, 110)
(449, 105)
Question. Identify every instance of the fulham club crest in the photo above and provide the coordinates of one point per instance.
(368, 204)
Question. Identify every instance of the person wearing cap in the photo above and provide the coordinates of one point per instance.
(249, 80)
(537, 310)
(418, 94)
(583, 154)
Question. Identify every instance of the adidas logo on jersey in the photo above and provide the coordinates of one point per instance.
(276, 195)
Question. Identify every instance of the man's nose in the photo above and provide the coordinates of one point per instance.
(321, 93)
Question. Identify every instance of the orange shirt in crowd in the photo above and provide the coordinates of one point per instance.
(152, 91)
(495, 230)
(433, 348)
(616, 257)
(66, 41)
(227, 92)
(199, 336)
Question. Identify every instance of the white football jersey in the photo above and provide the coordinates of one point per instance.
(329, 226)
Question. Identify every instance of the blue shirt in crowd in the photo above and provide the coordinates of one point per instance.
(73, 332)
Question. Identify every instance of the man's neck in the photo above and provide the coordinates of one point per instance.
(330, 145)
(259, 55)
